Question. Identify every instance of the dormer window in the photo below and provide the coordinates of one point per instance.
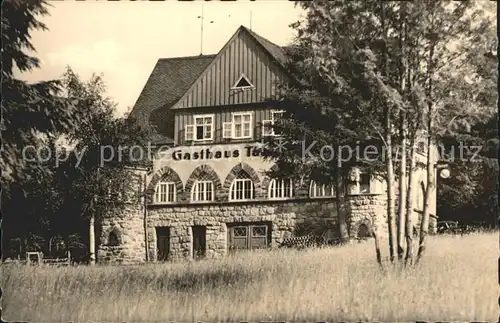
(242, 83)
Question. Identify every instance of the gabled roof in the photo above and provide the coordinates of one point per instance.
(171, 78)
(277, 52)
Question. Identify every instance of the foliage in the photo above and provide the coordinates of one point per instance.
(357, 66)
(29, 111)
(77, 167)
(103, 149)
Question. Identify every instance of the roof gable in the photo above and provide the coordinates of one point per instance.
(253, 53)
(173, 78)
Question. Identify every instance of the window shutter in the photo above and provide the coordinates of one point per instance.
(227, 129)
(189, 132)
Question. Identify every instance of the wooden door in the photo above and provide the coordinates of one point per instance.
(163, 243)
(199, 241)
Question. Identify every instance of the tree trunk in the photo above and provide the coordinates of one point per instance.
(341, 214)
(402, 192)
(92, 240)
(391, 221)
(377, 246)
(424, 224)
(409, 206)
(402, 130)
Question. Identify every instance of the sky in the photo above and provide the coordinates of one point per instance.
(124, 39)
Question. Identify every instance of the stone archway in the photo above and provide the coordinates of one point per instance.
(165, 173)
(203, 172)
(242, 167)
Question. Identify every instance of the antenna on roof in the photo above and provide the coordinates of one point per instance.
(202, 20)
(250, 19)
(201, 35)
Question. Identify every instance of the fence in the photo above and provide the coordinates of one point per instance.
(37, 258)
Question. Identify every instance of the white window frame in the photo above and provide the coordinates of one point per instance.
(191, 129)
(232, 189)
(168, 185)
(270, 122)
(195, 191)
(250, 123)
(324, 189)
(273, 188)
(235, 87)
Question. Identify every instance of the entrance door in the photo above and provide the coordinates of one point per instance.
(199, 241)
(163, 243)
(249, 236)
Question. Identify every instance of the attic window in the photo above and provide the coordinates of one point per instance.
(242, 83)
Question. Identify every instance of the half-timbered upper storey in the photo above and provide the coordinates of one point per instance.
(212, 99)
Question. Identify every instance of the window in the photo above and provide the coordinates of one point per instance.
(240, 127)
(364, 184)
(281, 188)
(421, 197)
(267, 125)
(202, 128)
(359, 183)
(203, 191)
(318, 190)
(363, 231)
(165, 192)
(249, 236)
(242, 187)
(242, 83)
(113, 239)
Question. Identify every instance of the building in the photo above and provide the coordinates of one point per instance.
(208, 193)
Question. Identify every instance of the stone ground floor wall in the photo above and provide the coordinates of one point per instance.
(124, 233)
(128, 227)
(283, 218)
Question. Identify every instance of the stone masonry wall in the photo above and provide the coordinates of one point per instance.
(128, 226)
(369, 210)
(283, 215)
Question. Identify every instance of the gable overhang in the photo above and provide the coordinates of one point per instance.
(240, 30)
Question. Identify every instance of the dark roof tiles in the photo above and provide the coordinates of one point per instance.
(169, 80)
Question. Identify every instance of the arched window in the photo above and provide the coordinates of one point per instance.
(364, 231)
(113, 239)
(242, 187)
(202, 191)
(281, 188)
(165, 192)
(317, 190)
(421, 197)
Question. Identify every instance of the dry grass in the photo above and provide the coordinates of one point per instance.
(455, 282)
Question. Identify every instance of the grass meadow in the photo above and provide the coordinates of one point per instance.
(456, 281)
